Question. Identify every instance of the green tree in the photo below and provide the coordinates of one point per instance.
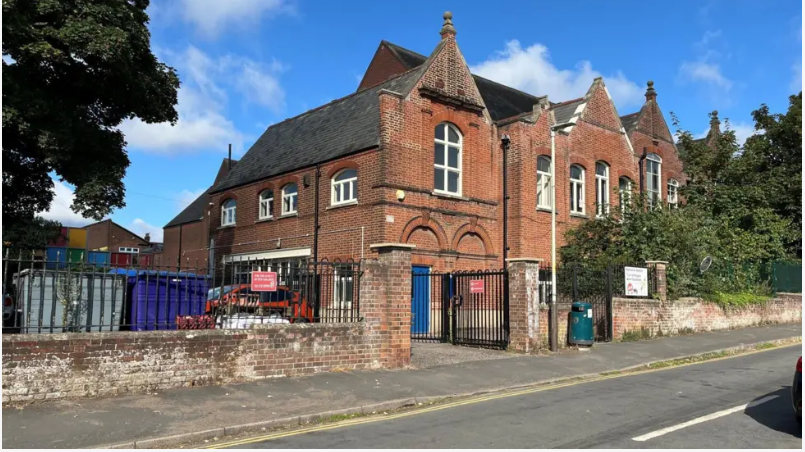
(73, 70)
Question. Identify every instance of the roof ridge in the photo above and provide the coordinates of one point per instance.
(391, 44)
(335, 101)
(631, 114)
(567, 102)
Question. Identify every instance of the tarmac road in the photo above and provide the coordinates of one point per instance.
(740, 402)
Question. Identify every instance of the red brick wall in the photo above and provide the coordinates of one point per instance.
(524, 322)
(383, 66)
(58, 366)
(188, 242)
(563, 319)
(251, 234)
(693, 314)
(652, 126)
(109, 234)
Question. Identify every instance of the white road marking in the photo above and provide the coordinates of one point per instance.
(706, 418)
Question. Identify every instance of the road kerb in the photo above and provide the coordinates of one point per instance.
(413, 403)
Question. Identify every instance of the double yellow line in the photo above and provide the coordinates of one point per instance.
(469, 401)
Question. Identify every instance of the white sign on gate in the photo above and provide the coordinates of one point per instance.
(635, 281)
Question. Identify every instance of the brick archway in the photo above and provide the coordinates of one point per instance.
(472, 228)
(427, 223)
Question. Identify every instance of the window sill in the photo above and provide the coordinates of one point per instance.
(452, 196)
(229, 226)
(343, 204)
(544, 209)
(579, 215)
(288, 215)
(264, 220)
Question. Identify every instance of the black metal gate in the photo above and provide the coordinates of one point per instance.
(586, 284)
(462, 308)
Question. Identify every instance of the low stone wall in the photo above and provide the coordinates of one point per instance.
(697, 315)
(56, 366)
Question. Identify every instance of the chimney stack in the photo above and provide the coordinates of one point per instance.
(448, 31)
(715, 124)
(651, 95)
(147, 237)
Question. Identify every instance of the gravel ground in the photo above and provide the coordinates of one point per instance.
(424, 355)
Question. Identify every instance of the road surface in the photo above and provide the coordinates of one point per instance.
(741, 402)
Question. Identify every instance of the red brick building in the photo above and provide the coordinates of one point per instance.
(415, 156)
(186, 238)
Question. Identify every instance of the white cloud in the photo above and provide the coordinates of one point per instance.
(202, 103)
(701, 71)
(185, 197)
(60, 207)
(531, 70)
(141, 227)
(213, 16)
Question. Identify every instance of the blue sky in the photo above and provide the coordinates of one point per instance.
(246, 64)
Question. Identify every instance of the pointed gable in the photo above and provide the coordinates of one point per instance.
(600, 109)
(447, 77)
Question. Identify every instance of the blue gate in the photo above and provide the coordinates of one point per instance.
(420, 300)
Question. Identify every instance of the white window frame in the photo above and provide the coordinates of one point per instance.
(445, 168)
(577, 188)
(654, 193)
(625, 194)
(267, 202)
(337, 188)
(289, 199)
(601, 190)
(544, 200)
(229, 212)
(673, 193)
(128, 249)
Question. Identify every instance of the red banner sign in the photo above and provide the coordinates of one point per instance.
(476, 286)
(264, 281)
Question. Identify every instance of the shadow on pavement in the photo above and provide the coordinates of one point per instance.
(776, 414)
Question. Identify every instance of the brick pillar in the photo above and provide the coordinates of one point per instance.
(662, 282)
(386, 303)
(524, 305)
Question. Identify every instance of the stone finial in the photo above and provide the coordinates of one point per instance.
(651, 94)
(715, 124)
(447, 28)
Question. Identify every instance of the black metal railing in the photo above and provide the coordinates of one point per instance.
(41, 296)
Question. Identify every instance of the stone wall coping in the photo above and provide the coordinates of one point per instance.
(526, 259)
(403, 246)
(657, 262)
(188, 334)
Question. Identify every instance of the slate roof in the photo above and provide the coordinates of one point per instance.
(564, 111)
(195, 211)
(501, 101)
(630, 121)
(333, 130)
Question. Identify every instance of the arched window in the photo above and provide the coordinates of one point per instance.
(653, 178)
(266, 208)
(544, 182)
(447, 159)
(228, 212)
(576, 189)
(601, 189)
(673, 193)
(344, 187)
(625, 192)
(289, 198)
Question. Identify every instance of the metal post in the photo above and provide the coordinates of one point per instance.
(315, 245)
(554, 321)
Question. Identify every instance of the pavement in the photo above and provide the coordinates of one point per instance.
(740, 402)
(184, 415)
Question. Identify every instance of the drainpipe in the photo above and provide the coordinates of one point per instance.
(640, 168)
(316, 244)
(505, 140)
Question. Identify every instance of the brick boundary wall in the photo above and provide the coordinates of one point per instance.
(697, 315)
(57, 366)
(75, 365)
(685, 314)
